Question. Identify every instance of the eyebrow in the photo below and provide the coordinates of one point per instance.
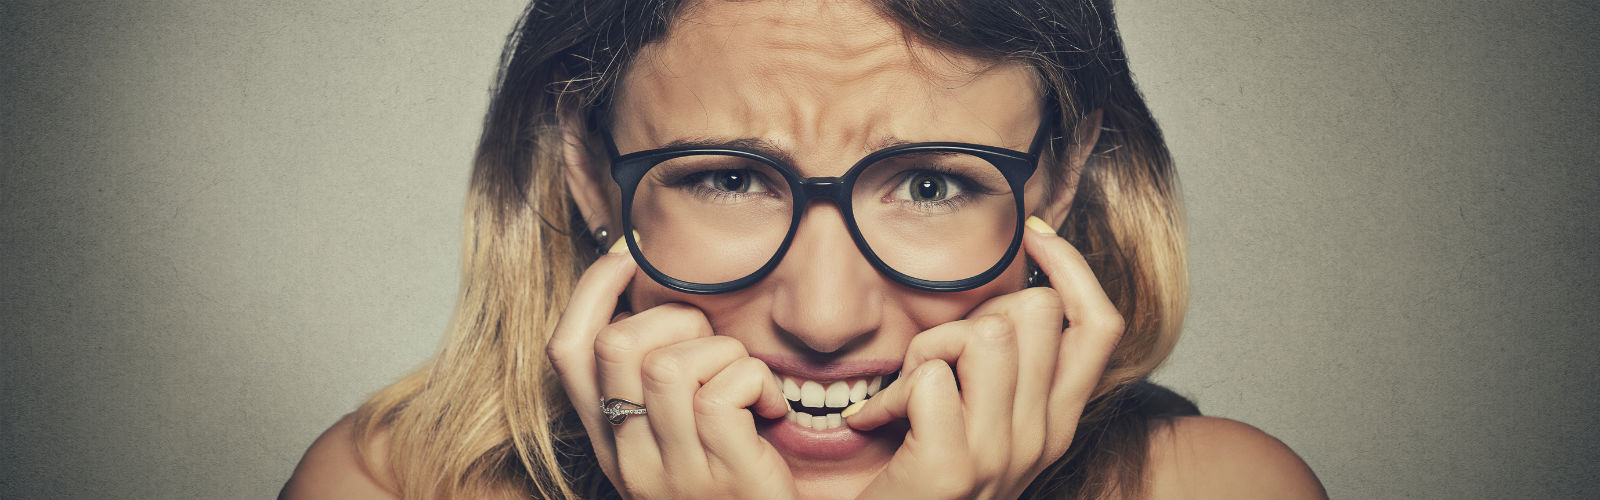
(767, 147)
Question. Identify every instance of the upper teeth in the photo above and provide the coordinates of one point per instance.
(835, 394)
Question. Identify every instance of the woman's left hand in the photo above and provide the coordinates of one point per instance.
(1023, 383)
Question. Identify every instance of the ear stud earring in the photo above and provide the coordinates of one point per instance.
(601, 236)
(1036, 277)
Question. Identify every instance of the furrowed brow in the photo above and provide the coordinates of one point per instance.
(753, 144)
(885, 143)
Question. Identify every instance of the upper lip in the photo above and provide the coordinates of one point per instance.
(835, 370)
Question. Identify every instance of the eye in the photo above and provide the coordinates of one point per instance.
(929, 187)
(733, 181)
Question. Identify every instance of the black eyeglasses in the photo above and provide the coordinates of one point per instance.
(935, 216)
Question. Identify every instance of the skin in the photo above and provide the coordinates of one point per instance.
(704, 365)
(724, 74)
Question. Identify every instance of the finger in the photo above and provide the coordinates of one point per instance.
(1069, 274)
(1094, 326)
(571, 344)
(935, 442)
(927, 397)
(619, 352)
(593, 302)
(672, 376)
(1036, 314)
(723, 408)
(984, 352)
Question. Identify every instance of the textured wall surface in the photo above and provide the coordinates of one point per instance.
(221, 226)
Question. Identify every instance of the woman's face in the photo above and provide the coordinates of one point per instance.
(826, 83)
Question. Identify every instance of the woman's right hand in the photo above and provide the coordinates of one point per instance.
(699, 438)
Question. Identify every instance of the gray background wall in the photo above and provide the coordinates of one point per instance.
(222, 225)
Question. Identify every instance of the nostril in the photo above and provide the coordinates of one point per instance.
(823, 340)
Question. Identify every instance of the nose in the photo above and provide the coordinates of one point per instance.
(825, 293)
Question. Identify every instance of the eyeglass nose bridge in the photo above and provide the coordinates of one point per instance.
(826, 188)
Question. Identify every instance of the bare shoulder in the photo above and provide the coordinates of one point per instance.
(1208, 457)
(332, 468)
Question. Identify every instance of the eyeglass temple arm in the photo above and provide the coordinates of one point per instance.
(1045, 128)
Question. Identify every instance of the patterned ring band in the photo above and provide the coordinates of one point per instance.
(618, 409)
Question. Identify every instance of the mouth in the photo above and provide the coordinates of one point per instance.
(819, 404)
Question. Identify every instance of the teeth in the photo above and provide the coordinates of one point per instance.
(812, 394)
(818, 422)
(838, 395)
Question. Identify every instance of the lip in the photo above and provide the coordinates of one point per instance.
(793, 440)
(835, 370)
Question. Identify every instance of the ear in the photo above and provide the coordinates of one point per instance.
(585, 169)
(1083, 142)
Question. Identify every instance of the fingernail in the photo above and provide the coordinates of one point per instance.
(852, 409)
(621, 246)
(1037, 224)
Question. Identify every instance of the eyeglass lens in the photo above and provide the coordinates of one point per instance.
(938, 216)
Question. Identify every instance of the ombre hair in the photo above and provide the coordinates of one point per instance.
(487, 416)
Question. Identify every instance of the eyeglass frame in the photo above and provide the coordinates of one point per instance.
(1016, 166)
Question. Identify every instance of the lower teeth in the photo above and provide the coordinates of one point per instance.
(818, 422)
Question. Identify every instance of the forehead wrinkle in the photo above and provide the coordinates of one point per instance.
(814, 82)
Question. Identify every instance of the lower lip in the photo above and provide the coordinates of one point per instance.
(797, 441)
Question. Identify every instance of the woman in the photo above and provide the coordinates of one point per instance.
(834, 270)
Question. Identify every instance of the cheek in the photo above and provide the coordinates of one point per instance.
(644, 293)
(929, 309)
(733, 313)
(729, 313)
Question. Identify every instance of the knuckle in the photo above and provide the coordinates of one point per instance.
(1109, 323)
(686, 315)
(1113, 326)
(557, 353)
(933, 372)
(749, 368)
(726, 343)
(1040, 299)
(994, 329)
(617, 342)
(708, 402)
(919, 344)
(1114, 323)
(711, 400)
(663, 366)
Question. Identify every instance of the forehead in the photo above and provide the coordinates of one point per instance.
(820, 79)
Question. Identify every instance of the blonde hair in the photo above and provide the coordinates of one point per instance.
(487, 416)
